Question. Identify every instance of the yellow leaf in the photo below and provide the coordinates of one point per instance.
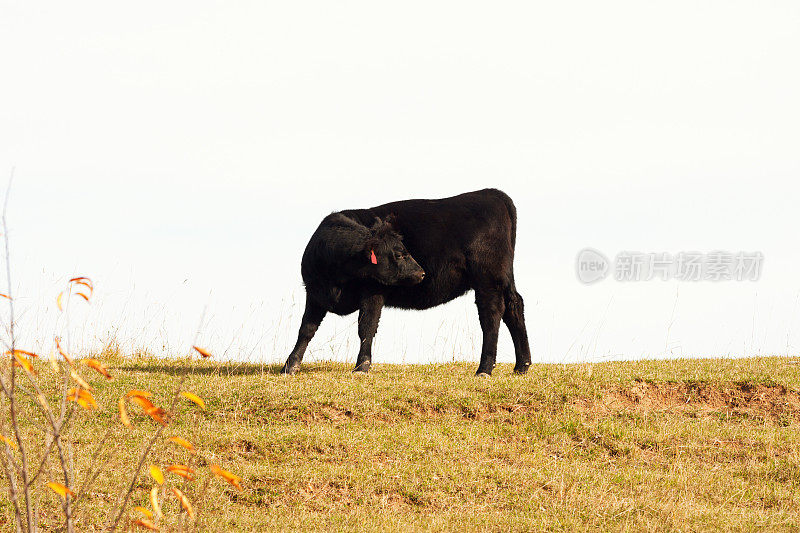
(60, 489)
(82, 397)
(42, 401)
(144, 510)
(154, 501)
(123, 413)
(53, 362)
(79, 380)
(155, 473)
(184, 502)
(184, 443)
(11, 443)
(194, 398)
(140, 393)
(58, 301)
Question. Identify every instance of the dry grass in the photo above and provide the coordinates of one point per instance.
(655, 445)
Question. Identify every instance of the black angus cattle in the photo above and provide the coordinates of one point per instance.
(415, 254)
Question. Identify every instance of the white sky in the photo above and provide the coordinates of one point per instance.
(181, 154)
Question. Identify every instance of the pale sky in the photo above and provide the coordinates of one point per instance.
(182, 153)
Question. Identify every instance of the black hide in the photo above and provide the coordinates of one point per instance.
(416, 254)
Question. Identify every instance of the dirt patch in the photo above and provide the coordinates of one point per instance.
(743, 398)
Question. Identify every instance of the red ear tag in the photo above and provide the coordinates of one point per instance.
(372, 257)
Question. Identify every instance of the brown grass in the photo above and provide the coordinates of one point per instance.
(639, 446)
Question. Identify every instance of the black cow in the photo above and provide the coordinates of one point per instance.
(416, 254)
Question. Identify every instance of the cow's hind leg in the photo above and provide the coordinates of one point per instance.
(491, 306)
(514, 318)
(369, 314)
(312, 318)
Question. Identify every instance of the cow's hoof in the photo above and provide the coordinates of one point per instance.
(289, 370)
(522, 369)
(362, 367)
(482, 375)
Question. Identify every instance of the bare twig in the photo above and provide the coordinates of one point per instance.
(13, 407)
(92, 474)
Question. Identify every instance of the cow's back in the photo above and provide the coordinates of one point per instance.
(448, 237)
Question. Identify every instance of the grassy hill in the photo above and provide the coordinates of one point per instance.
(652, 445)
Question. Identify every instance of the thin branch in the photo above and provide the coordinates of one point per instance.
(29, 518)
(91, 474)
(8, 461)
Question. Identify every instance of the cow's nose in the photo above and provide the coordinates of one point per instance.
(421, 275)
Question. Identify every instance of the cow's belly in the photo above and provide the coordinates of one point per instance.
(430, 293)
(434, 290)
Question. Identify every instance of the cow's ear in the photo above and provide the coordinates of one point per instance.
(372, 258)
(390, 219)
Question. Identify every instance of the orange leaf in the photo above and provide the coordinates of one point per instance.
(141, 393)
(144, 510)
(154, 500)
(202, 351)
(181, 470)
(123, 414)
(21, 360)
(146, 524)
(22, 352)
(155, 473)
(227, 476)
(83, 280)
(98, 366)
(5, 296)
(184, 502)
(85, 297)
(143, 402)
(60, 489)
(158, 414)
(11, 443)
(183, 442)
(194, 398)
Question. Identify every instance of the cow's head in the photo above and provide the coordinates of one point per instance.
(389, 262)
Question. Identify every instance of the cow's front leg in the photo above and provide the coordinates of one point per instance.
(312, 317)
(369, 313)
